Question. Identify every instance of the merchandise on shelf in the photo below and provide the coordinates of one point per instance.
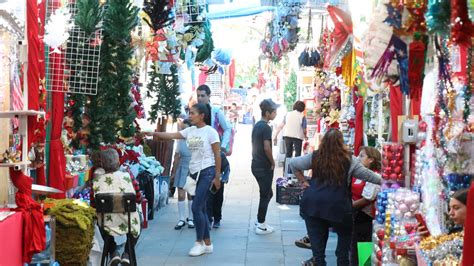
(392, 162)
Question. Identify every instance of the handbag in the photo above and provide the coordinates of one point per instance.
(190, 186)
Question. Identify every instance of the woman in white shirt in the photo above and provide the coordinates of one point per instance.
(203, 142)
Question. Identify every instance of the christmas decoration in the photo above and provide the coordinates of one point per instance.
(110, 110)
(166, 90)
(57, 28)
(341, 35)
(290, 91)
(160, 13)
(461, 26)
(394, 18)
(438, 17)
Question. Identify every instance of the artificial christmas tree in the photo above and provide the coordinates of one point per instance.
(110, 110)
(290, 91)
(166, 90)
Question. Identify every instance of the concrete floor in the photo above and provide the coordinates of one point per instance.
(235, 243)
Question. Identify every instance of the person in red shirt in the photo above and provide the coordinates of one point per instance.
(363, 197)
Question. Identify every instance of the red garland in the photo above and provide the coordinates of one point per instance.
(416, 62)
(461, 29)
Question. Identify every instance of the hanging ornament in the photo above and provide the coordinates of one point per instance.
(416, 68)
(394, 17)
(57, 29)
(341, 35)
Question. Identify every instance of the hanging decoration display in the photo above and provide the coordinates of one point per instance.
(281, 34)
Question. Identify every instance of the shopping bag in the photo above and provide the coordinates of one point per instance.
(364, 250)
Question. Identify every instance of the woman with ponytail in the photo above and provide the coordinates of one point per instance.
(203, 142)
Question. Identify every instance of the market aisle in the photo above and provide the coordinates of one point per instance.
(235, 243)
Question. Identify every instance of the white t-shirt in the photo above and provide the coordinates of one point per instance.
(199, 141)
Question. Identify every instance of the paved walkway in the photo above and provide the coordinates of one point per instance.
(235, 243)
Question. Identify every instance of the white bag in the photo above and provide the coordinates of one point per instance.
(190, 186)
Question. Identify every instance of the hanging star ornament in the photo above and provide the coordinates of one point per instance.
(394, 18)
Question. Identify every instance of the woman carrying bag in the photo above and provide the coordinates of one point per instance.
(327, 202)
(205, 164)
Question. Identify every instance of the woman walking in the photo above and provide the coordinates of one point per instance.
(327, 200)
(205, 164)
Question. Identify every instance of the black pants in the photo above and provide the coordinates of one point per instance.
(112, 245)
(214, 205)
(264, 178)
(293, 145)
(318, 232)
(362, 233)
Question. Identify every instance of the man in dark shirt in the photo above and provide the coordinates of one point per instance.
(263, 163)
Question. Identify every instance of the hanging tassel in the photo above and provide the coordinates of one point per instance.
(385, 60)
(402, 58)
(416, 68)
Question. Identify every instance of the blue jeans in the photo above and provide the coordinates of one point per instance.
(199, 207)
(318, 232)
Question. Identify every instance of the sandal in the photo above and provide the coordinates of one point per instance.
(190, 223)
(180, 225)
(303, 243)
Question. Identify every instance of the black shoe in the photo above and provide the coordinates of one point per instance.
(180, 225)
(114, 259)
(216, 224)
(125, 259)
(303, 243)
(190, 223)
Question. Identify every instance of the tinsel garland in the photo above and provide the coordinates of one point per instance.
(461, 26)
(438, 16)
(468, 87)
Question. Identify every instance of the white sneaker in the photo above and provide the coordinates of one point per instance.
(197, 250)
(263, 229)
(264, 225)
(208, 249)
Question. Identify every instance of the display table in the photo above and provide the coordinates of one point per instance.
(11, 234)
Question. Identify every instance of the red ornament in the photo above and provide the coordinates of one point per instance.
(393, 176)
(379, 255)
(398, 170)
(422, 126)
(380, 234)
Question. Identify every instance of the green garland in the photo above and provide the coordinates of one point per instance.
(74, 231)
